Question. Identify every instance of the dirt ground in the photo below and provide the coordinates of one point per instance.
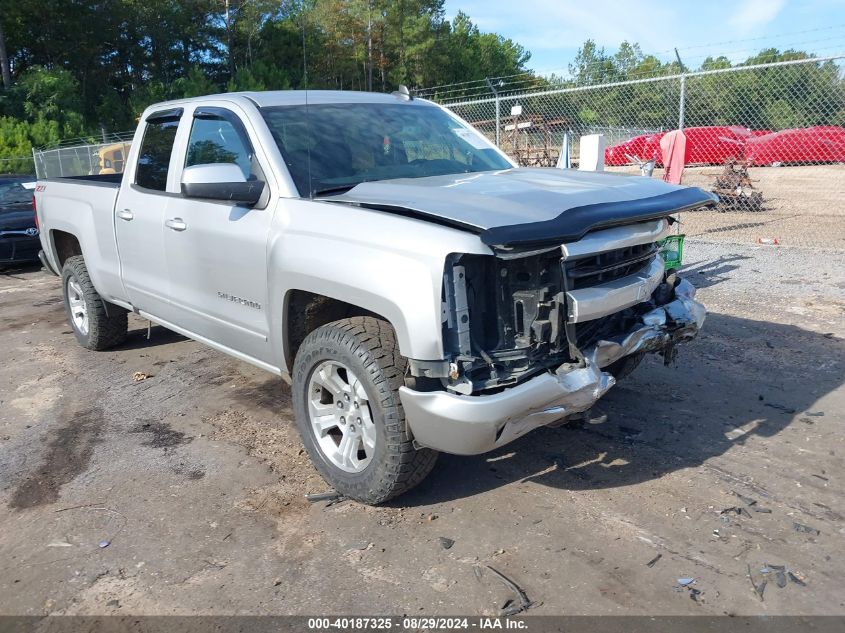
(185, 493)
(802, 206)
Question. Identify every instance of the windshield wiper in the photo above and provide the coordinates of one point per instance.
(335, 190)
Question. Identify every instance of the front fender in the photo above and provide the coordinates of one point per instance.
(389, 265)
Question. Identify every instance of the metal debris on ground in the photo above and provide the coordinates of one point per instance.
(445, 543)
(336, 500)
(738, 510)
(524, 602)
(735, 190)
(779, 407)
(780, 574)
(103, 544)
(687, 583)
(758, 589)
(746, 500)
(806, 529)
(654, 560)
(331, 495)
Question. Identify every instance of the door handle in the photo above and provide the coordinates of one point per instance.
(126, 214)
(177, 224)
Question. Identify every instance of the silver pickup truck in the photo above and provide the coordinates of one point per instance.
(419, 291)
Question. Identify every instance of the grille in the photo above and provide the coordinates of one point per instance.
(587, 333)
(603, 267)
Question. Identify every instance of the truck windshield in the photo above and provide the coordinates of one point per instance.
(329, 148)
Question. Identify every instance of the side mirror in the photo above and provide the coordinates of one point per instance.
(220, 181)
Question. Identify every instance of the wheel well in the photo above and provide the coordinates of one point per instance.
(66, 246)
(306, 311)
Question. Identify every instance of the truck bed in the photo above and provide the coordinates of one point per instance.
(83, 207)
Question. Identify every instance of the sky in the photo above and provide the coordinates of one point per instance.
(553, 30)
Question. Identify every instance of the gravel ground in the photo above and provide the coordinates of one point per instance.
(194, 479)
(802, 206)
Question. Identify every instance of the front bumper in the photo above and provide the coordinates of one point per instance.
(469, 425)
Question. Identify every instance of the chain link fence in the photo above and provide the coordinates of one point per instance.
(768, 137)
(81, 157)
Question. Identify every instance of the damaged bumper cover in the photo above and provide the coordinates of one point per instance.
(469, 425)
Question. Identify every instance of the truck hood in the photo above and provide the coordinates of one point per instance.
(522, 207)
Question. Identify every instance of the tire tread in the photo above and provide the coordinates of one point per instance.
(108, 324)
(373, 342)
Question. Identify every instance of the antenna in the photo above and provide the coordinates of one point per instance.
(403, 93)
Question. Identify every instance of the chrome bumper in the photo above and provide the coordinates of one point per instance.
(595, 302)
(469, 425)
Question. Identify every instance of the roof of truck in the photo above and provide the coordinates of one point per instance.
(300, 97)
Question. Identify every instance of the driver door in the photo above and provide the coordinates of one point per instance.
(217, 250)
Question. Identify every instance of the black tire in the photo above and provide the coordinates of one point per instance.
(367, 346)
(625, 366)
(108, 324)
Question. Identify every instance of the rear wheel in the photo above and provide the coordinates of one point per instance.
(97, 324)
(345, 392)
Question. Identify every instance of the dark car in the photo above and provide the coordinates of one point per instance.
(19, 241)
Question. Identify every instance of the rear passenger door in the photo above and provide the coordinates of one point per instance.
(140, 212)
(217, 250)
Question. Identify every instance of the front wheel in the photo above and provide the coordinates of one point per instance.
(97, 324)
(346, 400)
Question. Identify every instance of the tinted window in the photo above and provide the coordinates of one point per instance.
(330, 146)
(154, 158)
(215, 140)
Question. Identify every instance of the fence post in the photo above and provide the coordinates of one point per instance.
(682, 98)
(498, 110)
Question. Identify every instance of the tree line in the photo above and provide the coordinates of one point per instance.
(72, 68)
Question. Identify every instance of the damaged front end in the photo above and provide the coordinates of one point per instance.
(535, 336)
